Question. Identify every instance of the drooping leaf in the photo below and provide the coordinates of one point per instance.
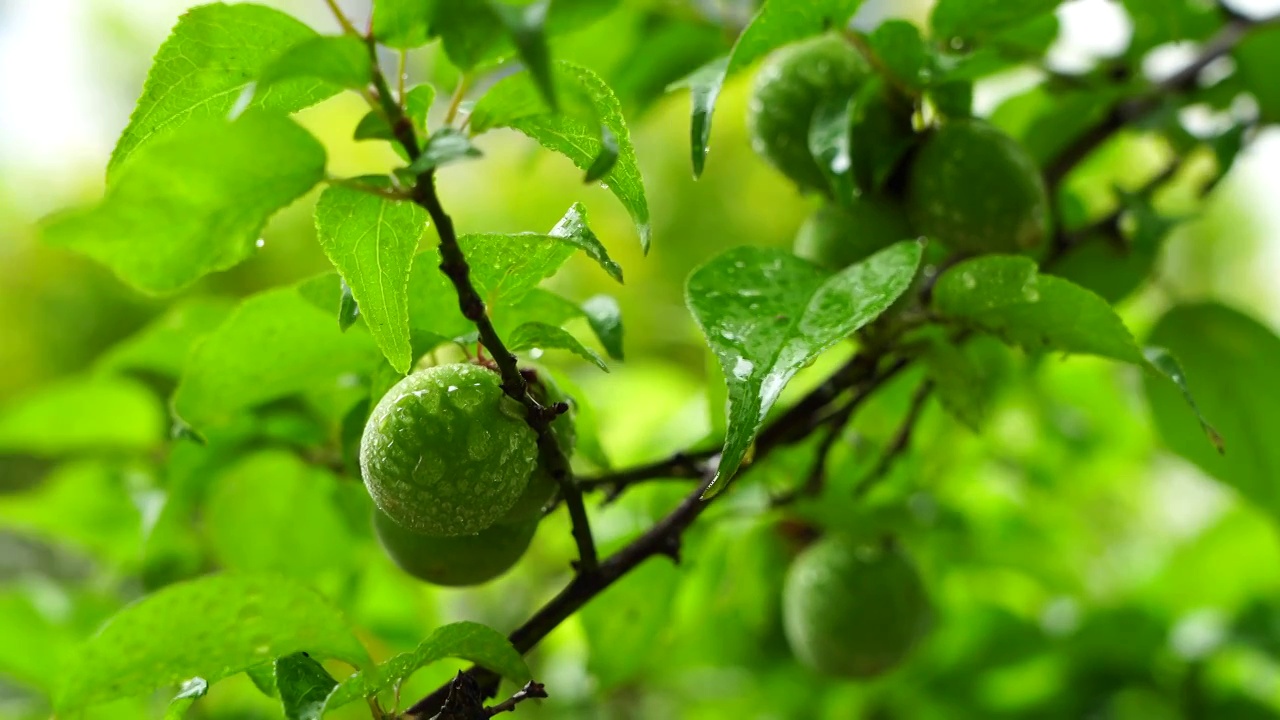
(605, 318)
(514, 102)
(211, 627)
(1167, 365)
(274, 345)
(766, 313)
(81, 415)
(525, 25)
(974, 20)
(200, 71)
(777, 23)
(250, 518)
(1228, 362)
(465, 640)
(1006, 295)
(303, 685)
(549, 337)
(163, 346)
(371, 240)
(445, 146)
(341, 60)
(195, 201)
(605, 159)
(190, 691)
(402, 24)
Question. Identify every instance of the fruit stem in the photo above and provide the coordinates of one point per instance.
(453, 263)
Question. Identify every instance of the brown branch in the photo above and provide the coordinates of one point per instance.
(530, 690)
(1138, 108)
(453, 263)
(664, 537)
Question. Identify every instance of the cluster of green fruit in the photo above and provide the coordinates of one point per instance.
(961, 182)
(454, 472)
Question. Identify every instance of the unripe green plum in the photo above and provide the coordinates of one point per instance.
(446, 452)
(837, 236)
(789, 88)
(976, 190)
(455, 561)
(853, 609)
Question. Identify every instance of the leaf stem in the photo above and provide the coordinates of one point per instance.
(341, 17)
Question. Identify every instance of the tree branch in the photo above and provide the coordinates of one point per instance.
(664, 537)
(530, 690)
(453, 263)
(1137, 108)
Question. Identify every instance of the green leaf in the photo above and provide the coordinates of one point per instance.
(191, 690)
(504, 269)
(514, 102)
(402, 24)
(1007, 296)
(525, 25)
(214, 52)
(194, 202)
(829, 142)
(767, 313)
(163, 346)
(341, 60)
(974, 20)
(445, 146)
(605, 318)
(274, 345)
(470, 31)
(211, 627)
(465, 640)
(547, 337)
(303, 685)
(1167, 365)
(902, 52)
(1232, 367)
(80, 415)
(606, 159)
(417, 103)
(371, 240)
(963, 384)
(250, 518)
(777, 23)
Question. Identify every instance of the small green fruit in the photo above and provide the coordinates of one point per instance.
(975, 189)
(446, 453)
(837, 236)
(790, 86)
(455, 561)
(852, 609)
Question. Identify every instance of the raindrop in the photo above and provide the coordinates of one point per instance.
(742, 369)
(260, 242)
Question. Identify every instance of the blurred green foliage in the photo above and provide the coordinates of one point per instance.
(1077, 567)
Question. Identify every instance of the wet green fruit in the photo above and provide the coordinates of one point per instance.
(455, 561)
(790, 86)
(446, 453)
(852, 609)
(837, 236)
(975, 189)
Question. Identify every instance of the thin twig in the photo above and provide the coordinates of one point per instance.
(453, 263)
(455, 100)
(530, 690)
(817, 475)
(343, 22)
(901, 441)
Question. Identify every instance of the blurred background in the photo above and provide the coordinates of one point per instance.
(1079, 569)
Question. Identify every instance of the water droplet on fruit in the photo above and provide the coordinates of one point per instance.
(1030, 293)
(260, 242)
(969, 280)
